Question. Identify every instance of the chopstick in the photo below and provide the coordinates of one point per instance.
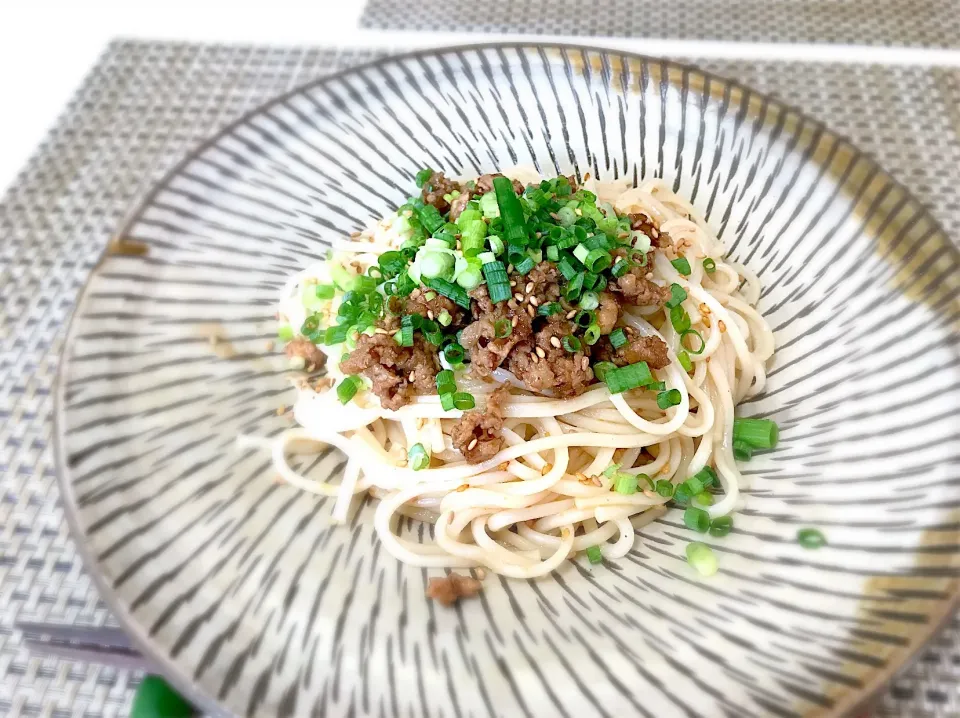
(92, 644)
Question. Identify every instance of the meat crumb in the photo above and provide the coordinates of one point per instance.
(477, 434)
(451, 588)
(306, 350)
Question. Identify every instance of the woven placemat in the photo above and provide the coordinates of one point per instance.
(892, 23)
(140, 109)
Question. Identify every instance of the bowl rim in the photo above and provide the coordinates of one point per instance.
(855, 701)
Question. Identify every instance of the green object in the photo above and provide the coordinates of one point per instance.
(618, 338)
(709, 266)
(567, 268)
(450, 290)
(679, 319)
(685, 361)
(502, 328)
(347, 389)
(444, 318)
(664, 488)
(811, 538)
(498, 286)
(156, 699)
(594, 554)
(696, 519)
(677, 295)
(694, 332)
(758, 433)
(571, 344)
(628, 377)
(444, 378)
(591, 334)
(524, 266)
(423, 175)
(511, 211)
(621, 267)
(453, 353)
(742, 451)
(549, 309)
(666, 399)
(406, 330)
(589, 300)
(721, 526)
(418, 457)
(430, 218)
(436, 264)
(601, 368)
(464, 400)
(324, 291)
(285, 332)
(446, 401)
(681, 265)
(625, 484)
(702, 558)
(584, 318)
(704, 498)
(472, 236)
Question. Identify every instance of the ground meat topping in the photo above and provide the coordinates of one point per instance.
(487, 352)
(485, 184)
(449, 589)
(435, 188)
(477, 434)
(608, 312)
(544, 365)
(652, 350)
(542, 283)
(417, 303)
(398, 373)
(635, 288)
(642, 223)
(312, 357)
(460, 203)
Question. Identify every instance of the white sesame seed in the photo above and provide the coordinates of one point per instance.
(518, 297)
(471, 445)
(513, 282)
(571, 314)
(555, 342)
(515, 321)
(528, 288)
(540, 353)
(410, 378)
(430, 314)
(722, 325)
(585, 363)
(534, 358)
(534, 301)
(530, 310)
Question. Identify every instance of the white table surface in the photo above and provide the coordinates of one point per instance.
(47, 47)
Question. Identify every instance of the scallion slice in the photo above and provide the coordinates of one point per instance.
(625, 484)
(666, 399)
(449, 290)
(423, 175)
(594, 555)
(406, 330)
(621, 267)
(628, 377)
(502, 328)
(709, 266)
(742, 451)
(721, 526)
(758, 433)
(446, 401)
(597, 260)
(681, 265)
(418, 457)
(693, 333)
(444, 318)
(618, 338)
(511, 211)
(549, 309)
(591, 334)
(589, 300)
(453, 353)
(677, 295)
(664, 488)
(702, 558)
(325, 291)
(464, 400)
(811, 538)
(285, 332)
(524, 266)
(696, 519)
(572, 344)
(601, 368)
(498, 285)
(348, 388)
(679, 319)
(685, 362)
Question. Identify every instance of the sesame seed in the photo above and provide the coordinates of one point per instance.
(547, 468)
(509, 269)
(534, 358)
(585, 363)
(471, 445)
(511, 303)
(518, 297)
(410, 378)
(586, 177)
(464, 487)
(481, 574)
(582, 478)
(554, 341)
(649, 275)
(628, 330)
(269, 346)
(430, 314)
(514, 321)
(649, 494)
(380, 330)
(528, 288)
(571, 314)
(540, 353)
(503, 466)
(534, 301)
(704, 309)
(513, 282)
(531, 311)
(722, 325)
(706, 321)
(415, 293)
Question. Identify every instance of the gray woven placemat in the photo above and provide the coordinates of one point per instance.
(894, 23)
(140, 109)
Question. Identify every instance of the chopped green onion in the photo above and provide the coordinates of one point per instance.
(721, 526)
(594, 555)
(620, 268)
(553, 253)
(677, 295)
(759, 433)
(591, 334)
(684, 360)
(581, 252)
(742, 451)
(696, 519)
(681, 265)
(336, 335)
(498, 286)
(488, 205)
(285, 332)
(693, 332)
(464, 400)
(702, 558)
(502, 328)
(524, 266)
(706, 478)
(486, 257)
(324, 291)
(666, 399)
(628, 377)
(436, 264)
(597, 261)
(704, 498)
(589, 300)
(348, 388)
(664, 488)
(549, 309)
(446, 401)
(467, 216)
(391, 263)
(444, 318)
(618, 338)
(418, 457)
(567, 268)
(423, 175)
(572, 344)
(625, 484)
(444, 378)
(601, 368)
(470, 278)
(406, 330)
(584, 318)
(656, 386)
(430, 218)
(453, 353)
(693, 485)
(511, 211)
(450, 290)
(811, 538)
(679, 319)
(566, 216)
(681, 495)
(472, 236)
(573, 288)
(709, 266)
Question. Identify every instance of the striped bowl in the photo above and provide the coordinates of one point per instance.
(253, 603)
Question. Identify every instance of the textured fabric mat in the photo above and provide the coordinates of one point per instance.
(140, 109)
(895, 23)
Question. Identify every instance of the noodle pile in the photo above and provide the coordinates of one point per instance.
(544, 496)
